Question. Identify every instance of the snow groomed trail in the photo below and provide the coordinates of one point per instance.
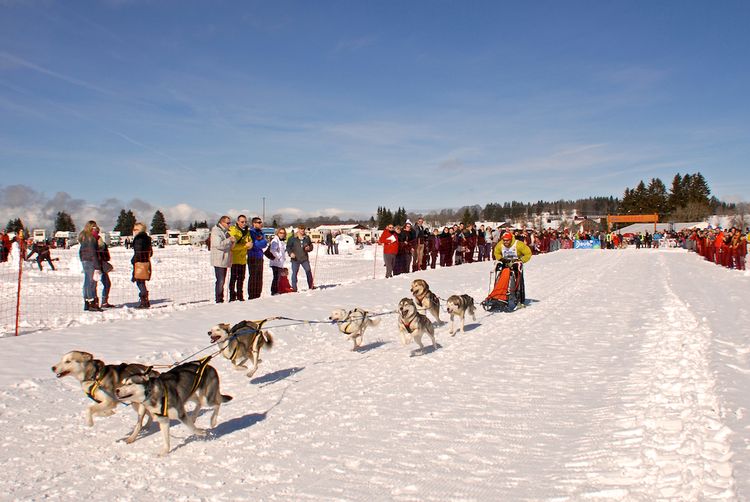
(625, 378)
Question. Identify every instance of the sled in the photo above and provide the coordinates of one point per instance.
(508, 294)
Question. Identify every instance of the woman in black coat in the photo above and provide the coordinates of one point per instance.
(142, 252)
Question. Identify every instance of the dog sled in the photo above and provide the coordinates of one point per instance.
(507, 289)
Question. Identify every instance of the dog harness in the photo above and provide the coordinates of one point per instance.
(406, 326)
(243, 325)
(97, 383)
(202, 364)
(347, 328)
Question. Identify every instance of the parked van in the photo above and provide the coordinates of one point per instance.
(40, 235)
(65, 239)
(115, 238)
(173, 237)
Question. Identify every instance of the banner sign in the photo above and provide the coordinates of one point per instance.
(587, 244)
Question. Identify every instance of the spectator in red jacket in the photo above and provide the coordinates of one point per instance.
(389, 240)
(4, 246)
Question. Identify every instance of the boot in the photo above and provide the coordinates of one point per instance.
(105, 303)
(232, 296)
(92, 306)
(144, 303)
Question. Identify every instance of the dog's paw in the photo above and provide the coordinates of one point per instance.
(130, 439)
(200, 432)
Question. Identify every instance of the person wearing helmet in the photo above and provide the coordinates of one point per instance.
(509, 288)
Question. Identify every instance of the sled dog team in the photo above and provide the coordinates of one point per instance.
(164, 396)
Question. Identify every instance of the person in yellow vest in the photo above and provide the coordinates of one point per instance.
(242, 243)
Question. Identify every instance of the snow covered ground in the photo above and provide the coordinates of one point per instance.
(626, 378)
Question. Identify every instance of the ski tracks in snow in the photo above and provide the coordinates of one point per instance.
(671, 443)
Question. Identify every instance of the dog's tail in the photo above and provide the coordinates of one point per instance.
(225, 398)
(267, 339)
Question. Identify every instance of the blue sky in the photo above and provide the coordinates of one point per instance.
(337, 107)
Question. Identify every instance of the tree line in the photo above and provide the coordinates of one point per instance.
(688, 199)
(125, 223)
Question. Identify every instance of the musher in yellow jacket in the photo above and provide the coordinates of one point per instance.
(509, 291)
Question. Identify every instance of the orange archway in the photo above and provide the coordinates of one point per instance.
(632, 218)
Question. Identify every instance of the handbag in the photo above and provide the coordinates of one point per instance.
(142, 270)
(107, 267)
(268, 253)
(97, 275)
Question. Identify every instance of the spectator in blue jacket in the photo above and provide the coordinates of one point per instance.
(255, 260)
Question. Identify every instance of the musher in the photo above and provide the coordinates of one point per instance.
(511, 255)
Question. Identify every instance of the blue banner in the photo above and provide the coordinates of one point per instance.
(587, 244)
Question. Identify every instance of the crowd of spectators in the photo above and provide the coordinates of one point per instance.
(727, 248)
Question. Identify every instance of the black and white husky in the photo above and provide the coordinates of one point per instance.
(459, 306)
(166, 395)
(353, 323)
(241, 342)
(99, 382)
(412, 325)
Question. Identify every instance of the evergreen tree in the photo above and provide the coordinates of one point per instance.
(626, 206)
(657, 200)
(698, 190)
(125, 223)
(466, 217)
(158, 223)
(64, 223)
(399, 217)
(677, 195)
(274, 223)
(14, 225)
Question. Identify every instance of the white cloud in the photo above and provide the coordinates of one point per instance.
(37, 210)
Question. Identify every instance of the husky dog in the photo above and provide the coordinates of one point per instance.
(99, 382)
(426, 299)
(412, 325)
(166, 395)
(353, 323)
(458, 306)
(241, 342)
